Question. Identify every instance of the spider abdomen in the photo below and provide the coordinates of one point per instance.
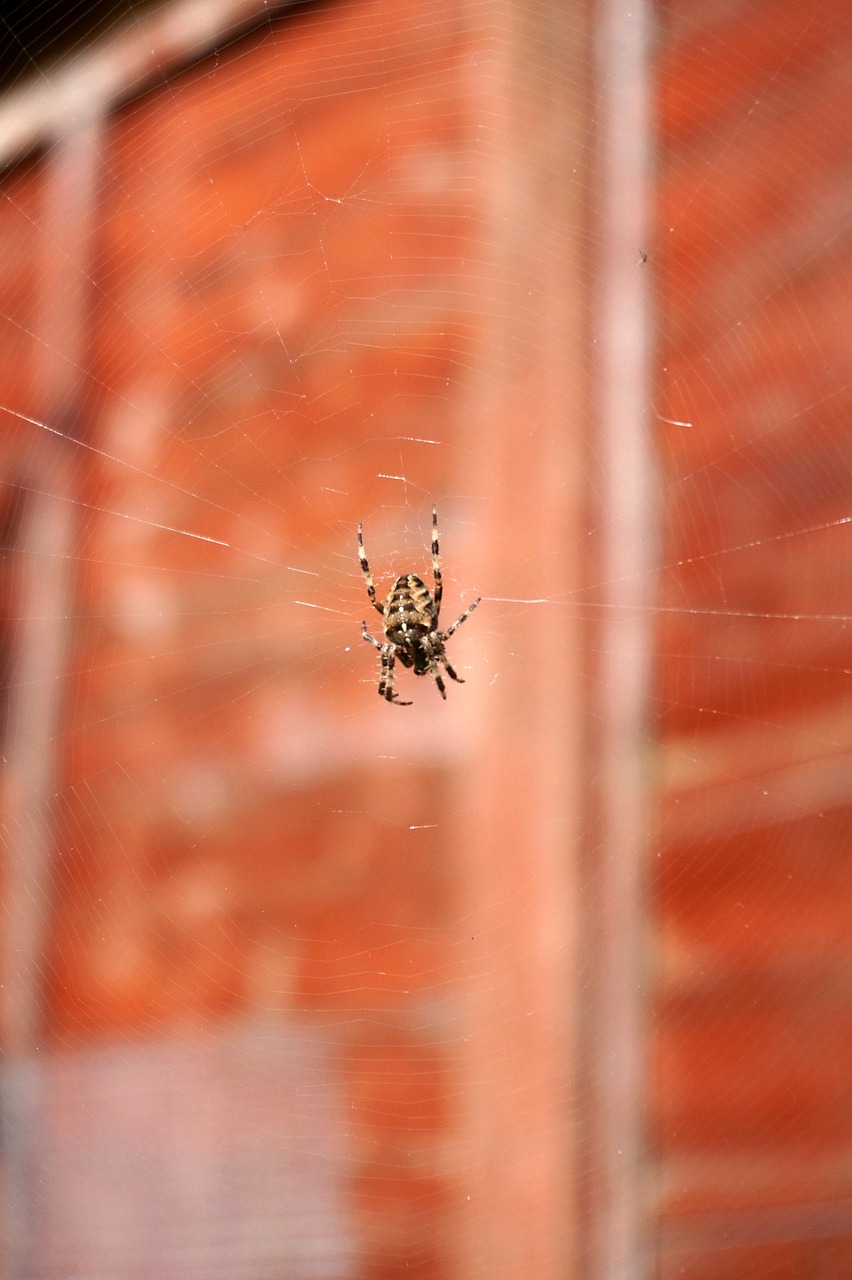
(409, 613)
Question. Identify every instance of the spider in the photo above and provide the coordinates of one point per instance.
(410, 623)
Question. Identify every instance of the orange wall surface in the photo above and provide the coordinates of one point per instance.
(751, 1087)
(345, 266)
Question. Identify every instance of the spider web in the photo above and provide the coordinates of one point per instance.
(286, 968)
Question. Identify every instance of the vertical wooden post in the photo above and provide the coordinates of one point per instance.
(34, 723)
(613, 1242)
(521, 793)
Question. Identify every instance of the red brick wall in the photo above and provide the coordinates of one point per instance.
(752, 1092)
(289, 293)
(301, 283)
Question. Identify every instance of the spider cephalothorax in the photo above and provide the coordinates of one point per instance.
(410, 622)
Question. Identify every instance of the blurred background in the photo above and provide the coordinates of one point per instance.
(552, 978)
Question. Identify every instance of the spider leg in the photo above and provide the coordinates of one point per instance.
(368, 577)
(386, 677)
(436, 561)
(468, 611)
(386, 689)
(434, 646)
(450, 672)
(366, 636)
